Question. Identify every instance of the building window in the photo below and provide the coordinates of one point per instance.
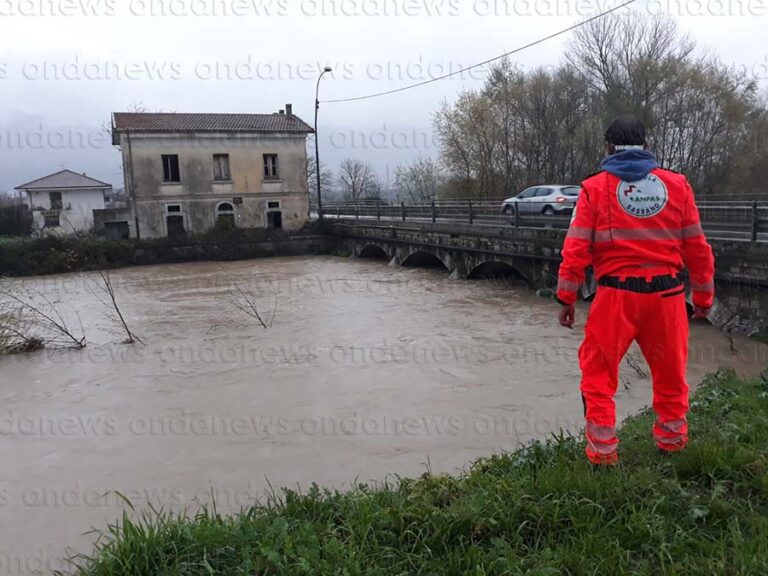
(56, 202)
(225, 214)
(171, 208)
(221, 167)
(270, 167)
(171, 168)
(51, 220)
(273, 204)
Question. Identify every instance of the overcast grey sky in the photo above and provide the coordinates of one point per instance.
(65, 65)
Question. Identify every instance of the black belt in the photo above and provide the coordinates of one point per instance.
(640, 284)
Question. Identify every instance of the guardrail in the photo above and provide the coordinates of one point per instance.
(735, 220)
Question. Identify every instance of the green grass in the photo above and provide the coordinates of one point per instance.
(540, 511)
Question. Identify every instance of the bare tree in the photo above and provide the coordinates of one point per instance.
(358, 180)
(631, 59)
(697, 110)
(110, 301)
(420, 179)
(326, 179)
(32, 318)
(545, 126)
(521, 129)
(470, 140)
(246, 302)
(16, 331)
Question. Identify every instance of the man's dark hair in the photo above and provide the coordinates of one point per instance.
(625, 130)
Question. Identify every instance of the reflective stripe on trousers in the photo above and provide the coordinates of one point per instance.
(601, 440)
(671, 435)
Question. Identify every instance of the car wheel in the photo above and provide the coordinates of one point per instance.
(548, 211)
(509, 209)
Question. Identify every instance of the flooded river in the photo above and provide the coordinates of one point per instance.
(363, 371)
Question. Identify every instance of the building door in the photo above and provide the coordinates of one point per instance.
(274, 219)
(175, 225)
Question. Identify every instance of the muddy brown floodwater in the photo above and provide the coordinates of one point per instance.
(366, 371)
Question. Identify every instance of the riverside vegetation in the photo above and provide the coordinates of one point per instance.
(540, 510)
(53, 254)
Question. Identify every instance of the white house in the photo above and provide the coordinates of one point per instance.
(64, 202)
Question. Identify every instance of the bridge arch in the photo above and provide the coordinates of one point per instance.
(374, 252)
(424, 259)
(497, 269)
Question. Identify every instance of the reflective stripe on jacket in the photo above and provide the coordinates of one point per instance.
(643, 228)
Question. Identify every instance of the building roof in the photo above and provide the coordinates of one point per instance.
(63, 180)
(174, 122)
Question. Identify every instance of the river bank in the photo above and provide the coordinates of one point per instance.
(81, 253)
(540, 510)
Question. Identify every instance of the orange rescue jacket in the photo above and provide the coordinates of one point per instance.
(644, 228)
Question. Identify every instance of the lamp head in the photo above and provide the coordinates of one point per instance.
(327, 69)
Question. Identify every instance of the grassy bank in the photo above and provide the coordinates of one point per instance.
(540, 511)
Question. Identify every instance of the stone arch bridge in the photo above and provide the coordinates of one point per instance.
(532, 256)
(534, 265)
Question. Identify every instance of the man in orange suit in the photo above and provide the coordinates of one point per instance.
(638, 226)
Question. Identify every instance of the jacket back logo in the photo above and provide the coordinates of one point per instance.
(644, 198)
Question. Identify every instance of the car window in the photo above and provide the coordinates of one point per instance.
(541, 192)
(527, 193)
(571, 190)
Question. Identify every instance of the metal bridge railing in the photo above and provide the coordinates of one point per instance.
(737, 220)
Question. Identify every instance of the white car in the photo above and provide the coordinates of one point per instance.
(545, 199)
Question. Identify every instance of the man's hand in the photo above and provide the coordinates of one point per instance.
(701, 313)
(567, 315)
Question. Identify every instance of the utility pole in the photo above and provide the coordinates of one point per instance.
(317, 144)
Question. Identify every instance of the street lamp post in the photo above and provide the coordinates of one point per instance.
(317, 144)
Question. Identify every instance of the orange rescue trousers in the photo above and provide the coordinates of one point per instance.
(659, 323)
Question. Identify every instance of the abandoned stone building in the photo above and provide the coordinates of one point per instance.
(186, 173)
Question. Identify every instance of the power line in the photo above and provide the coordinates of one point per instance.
(479, 64)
